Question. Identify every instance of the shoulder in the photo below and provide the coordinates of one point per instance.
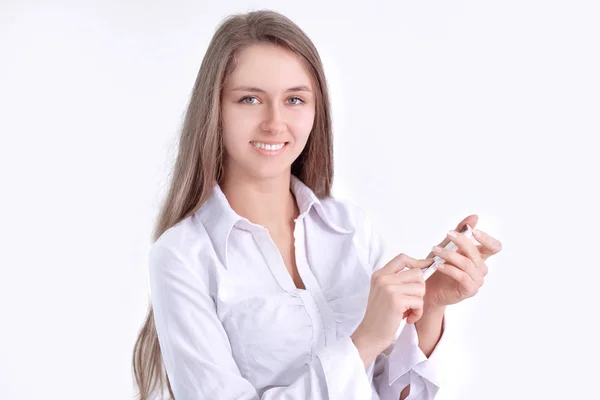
(346, 214)
(184, 234)
(354, 219)
(184, 245)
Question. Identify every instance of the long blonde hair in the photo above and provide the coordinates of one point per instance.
(198, 166)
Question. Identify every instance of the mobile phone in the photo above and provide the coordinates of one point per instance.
(467, 232)
(427, 272)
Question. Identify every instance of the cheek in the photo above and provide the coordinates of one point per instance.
(302, 125)
(236, 126)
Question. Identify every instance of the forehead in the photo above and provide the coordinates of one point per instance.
(269, 67)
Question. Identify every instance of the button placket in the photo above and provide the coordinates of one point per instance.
(270, 252)
(312, 285)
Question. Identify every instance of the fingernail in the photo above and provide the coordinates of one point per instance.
(436, 249)
(452, 234)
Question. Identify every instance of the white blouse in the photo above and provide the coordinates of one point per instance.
(232, 325)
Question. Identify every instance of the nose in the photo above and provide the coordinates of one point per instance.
(273, 122)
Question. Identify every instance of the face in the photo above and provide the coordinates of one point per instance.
(268, 111)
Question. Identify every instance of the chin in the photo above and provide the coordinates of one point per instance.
(270, 173)
(260, 167)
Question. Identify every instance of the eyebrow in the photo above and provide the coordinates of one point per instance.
(301, 88)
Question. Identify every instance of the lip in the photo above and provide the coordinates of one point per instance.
(269, 152)
(269, 141)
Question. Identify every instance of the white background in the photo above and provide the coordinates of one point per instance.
(441, 109)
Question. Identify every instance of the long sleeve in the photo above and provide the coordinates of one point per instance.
(407, 365)
(197, 354)
(403, 363)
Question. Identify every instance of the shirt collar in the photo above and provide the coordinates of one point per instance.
(307, 199)
(219, 218)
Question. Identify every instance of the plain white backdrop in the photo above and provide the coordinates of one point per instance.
(441, 109)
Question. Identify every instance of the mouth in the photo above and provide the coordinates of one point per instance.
(269, 148)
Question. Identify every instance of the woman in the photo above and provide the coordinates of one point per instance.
(262, 284)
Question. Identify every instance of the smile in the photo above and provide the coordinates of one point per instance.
(269, 147)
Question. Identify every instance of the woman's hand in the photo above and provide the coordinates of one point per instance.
(464, 270)
(395, 293)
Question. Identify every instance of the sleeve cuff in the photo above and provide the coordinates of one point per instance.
(406, 356)
(344, 371)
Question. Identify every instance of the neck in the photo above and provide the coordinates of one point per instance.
(266, 202)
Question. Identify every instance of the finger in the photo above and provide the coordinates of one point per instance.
(489, 245)
(466, 247)
(416, 289)
(471, 220)
(408, 275)
(413, 275)
(414, 315)
(459, 260)
(470, 286)
(422, 267)
(416, 309)
(402, 261)
(414, 303)
(483, 267)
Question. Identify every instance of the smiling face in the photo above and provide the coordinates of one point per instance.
(268, 111)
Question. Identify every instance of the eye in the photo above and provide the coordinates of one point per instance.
(299, 100)
(244, 100)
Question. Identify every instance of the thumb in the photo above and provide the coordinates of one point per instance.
(471, 220)
(402, 261)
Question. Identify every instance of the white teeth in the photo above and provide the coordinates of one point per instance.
(269, 147)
